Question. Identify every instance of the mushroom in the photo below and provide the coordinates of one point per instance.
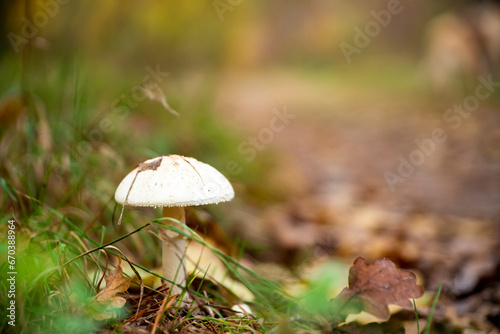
(173, 182)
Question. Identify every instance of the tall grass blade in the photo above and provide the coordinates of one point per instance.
(433, 308)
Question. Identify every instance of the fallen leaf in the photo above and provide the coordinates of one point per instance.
(115, 283)
(375, 286)
(107, 301)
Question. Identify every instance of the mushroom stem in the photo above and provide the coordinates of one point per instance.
(173, 252)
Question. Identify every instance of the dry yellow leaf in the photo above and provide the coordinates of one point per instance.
(115, 283)
(107, 300)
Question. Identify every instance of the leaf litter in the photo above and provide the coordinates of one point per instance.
(442, 222)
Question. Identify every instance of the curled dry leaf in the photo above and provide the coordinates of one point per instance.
(107, 300)
(375, 286)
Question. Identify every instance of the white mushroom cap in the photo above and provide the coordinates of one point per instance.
(173, 180)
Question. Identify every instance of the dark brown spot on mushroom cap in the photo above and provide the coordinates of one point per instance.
(153, 165)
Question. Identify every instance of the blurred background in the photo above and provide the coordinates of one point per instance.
(346, 128)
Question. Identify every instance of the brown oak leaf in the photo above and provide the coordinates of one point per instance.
(107, 300)
(377, 285)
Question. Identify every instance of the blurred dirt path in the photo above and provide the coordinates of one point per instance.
(344, 145)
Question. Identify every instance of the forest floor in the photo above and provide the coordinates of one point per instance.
(345, 191)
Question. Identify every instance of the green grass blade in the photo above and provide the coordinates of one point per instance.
(416, 315)
(433, 308)
(6, 188)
